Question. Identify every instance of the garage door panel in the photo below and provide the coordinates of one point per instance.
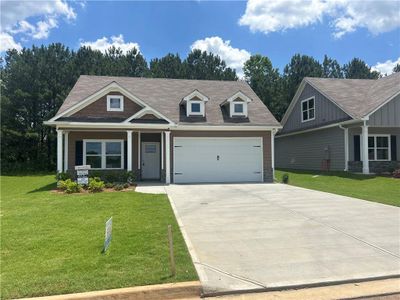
(217, 160)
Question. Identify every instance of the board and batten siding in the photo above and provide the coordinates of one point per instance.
(388, 115)
(308, 150)
(326, 112)
(371, 130)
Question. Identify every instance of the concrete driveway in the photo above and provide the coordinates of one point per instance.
(258, 236)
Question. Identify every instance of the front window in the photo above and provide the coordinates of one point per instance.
(103, 154)
(115, 103)
(238, 108)
(308, 109)
(378, 147)
(195, 107)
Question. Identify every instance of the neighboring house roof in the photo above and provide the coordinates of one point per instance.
(165, 96)
(356, 97)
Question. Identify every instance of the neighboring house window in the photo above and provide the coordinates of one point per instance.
(103, 154)
(308, 109)
(115, 103)
(379, 147)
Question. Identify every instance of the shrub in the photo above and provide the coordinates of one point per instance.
(109, 185)
(396, 173)
(112, 176)
(285, 178)
(63, 176)
(95, 185)
(126, 185)
(69, 186)
(118, 187)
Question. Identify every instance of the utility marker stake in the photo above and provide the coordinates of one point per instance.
(171, 250)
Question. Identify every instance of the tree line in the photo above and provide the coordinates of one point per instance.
(36, 80)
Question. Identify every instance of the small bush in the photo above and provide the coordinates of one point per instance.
(113, 176)
(285, 178)
(63, 176)
(119, 187)
(109, 185)
(396, 173)
(126, 185)
(69, 186)
(95, 185)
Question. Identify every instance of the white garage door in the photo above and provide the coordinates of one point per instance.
(218, 160)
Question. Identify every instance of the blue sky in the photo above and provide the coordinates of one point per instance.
(234, 30)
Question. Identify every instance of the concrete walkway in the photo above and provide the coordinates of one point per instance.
(261, 236)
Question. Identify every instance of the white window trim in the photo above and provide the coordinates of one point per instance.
(121, 99)
(376, 148)
(232, 109)
(301, 109)
(103, 153)
(189, 111)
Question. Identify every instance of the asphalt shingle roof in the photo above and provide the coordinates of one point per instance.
(358, 97)
(165, 95)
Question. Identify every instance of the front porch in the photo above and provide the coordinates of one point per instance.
(370, 149)
(144, 152)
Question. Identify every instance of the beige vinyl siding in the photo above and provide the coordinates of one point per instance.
(307, 150)
(326, 112)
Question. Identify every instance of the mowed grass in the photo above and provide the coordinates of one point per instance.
(380, 189)
(51, 243)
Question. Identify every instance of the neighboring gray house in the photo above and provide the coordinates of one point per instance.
(342, 124)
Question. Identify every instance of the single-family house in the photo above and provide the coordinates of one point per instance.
(342, 124)
(169, 130)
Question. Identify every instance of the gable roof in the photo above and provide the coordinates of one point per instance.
(165, 95)
(356, 97)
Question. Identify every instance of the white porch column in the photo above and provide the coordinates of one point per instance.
(129, 150)
(167, 157)
(59, 150)
(138, 151)
(346, 149)
(365, 148)
(162, 151)
(273, 153)
(66, 134)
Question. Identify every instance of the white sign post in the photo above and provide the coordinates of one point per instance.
(82, 174)
(108, 235)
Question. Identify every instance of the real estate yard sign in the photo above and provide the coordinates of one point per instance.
(108, 234)
(82, 174)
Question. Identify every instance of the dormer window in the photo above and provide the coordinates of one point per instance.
(195, 104)
(237, 105)
(115, 103)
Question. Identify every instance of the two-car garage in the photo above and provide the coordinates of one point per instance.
(217, 159)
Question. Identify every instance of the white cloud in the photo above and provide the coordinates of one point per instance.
(234, 57)
(14, 16)
(345, 15)
(7, 42)
(104, 44)
(386, 67)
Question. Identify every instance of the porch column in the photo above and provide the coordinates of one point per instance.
(346, 149)
(66, 134)
(129, 150)
(273, 153)
(138, 151)
(167, 157)
(162, 151)
(59, 150)
(365, 148)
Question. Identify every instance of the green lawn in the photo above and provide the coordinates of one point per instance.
(373, 188)
(51, 243)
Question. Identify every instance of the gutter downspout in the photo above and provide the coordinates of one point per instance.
(346, 147)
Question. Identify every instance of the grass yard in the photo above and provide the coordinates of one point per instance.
(373, 188)
(51, 243)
